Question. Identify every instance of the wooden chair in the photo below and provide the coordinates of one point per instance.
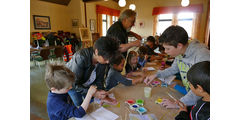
(59, 52)
(44, 53)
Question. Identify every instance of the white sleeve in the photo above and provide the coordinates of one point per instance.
(190, 98)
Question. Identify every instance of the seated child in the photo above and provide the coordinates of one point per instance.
(59, 80)
(132, 64)
(151, 46)
(114, 76)
(142, 55)
(199, 78)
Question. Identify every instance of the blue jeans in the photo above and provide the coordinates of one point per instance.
(77, 97)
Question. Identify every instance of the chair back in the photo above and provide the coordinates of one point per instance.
(44, 53)
(59, 51)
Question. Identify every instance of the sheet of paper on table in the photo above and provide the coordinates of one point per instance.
(168, 79)
(151, 63)
(100, 114)
(150, 68)
(142, 117)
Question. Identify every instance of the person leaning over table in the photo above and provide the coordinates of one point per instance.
(121, 30)
(89, 66)
(175, 42)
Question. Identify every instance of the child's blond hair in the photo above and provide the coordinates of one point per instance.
(58, 76)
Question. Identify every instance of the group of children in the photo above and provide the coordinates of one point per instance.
(89, 66)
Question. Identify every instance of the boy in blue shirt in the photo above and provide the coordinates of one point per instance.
(59, 80)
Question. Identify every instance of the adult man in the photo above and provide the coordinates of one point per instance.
(89, 67)
(121, 30)
(175, 42)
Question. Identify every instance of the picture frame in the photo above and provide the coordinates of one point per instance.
(86, 37)
(41, 22)
(75, 23)
(92, 24)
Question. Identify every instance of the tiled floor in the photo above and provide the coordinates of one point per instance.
(38, 93)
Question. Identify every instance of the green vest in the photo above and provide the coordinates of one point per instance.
(183, 68)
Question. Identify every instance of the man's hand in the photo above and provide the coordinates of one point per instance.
(136, 43)
(100, 94)
(149, 79)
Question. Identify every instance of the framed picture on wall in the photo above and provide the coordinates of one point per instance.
(75, 23)
(86, 37)
(41, 22)
(92, 24)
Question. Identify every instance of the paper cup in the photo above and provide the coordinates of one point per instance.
(147, 92)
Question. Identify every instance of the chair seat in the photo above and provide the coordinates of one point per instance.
(38, 58)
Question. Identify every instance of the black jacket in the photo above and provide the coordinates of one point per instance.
(81, 65)
(118, 32)
(200, 111)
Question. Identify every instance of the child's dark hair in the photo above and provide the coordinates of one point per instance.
(58, 76)
(117, 59)
(151, 39)
(199, 74)
(106, 46)
(142, 51)
(174, 35)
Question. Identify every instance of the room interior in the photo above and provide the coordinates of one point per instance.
(73, 15)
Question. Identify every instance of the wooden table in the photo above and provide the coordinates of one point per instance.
(123, 93)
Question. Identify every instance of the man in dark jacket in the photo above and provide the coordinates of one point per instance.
(89, 66)
(121, 30)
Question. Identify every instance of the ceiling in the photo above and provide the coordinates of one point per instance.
(66, 2)
(61, 2)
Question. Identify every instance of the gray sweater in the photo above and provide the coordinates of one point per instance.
(196, 52)
(114, 78)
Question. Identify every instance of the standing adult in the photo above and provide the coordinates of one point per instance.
(121, 30)
(89, 65)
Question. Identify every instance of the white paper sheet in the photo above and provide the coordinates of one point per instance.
(142, 117)
(100, 114)
(86, 117)
(168, 79)
(103, 114)
(150, 68)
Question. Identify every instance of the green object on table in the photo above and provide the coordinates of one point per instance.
(139, 101)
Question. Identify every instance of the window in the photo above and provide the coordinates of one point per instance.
(164, 21)
(114, 19)
(186, 21)
(104, 24)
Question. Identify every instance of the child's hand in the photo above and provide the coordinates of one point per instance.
(145, 57)
(169, 104)
(182, 106)
(129, 75)
(149, 79)
(92, 89)
(100, 94)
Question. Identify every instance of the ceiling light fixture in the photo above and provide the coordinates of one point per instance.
(132, 6)
(185, 3)
(121, 3)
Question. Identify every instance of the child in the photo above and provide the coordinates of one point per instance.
(59, 80)
(143, 57)
(151, 46)
(114, 75)
(175, 42)
(199, 78)
(132, 64)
